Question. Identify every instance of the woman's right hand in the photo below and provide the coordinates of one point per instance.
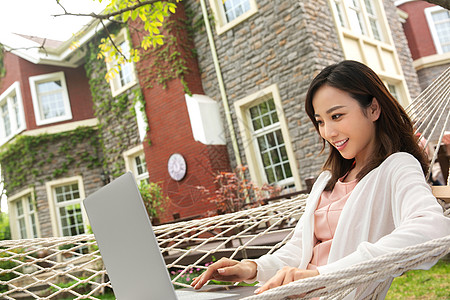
(227, 269)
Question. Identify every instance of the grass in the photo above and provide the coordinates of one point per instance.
(423, 284)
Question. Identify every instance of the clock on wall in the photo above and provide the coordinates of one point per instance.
(177, 166)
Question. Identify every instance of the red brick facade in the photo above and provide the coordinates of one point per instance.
(170, 132)
(416, 29)
(19, 69)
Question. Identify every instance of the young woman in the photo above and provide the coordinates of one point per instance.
(370, 199)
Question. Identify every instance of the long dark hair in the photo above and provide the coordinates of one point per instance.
(394, 129)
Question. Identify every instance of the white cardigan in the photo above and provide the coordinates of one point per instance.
(392, 207)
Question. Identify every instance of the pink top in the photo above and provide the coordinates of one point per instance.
(326, 218)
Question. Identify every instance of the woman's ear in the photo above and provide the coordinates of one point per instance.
(374, 110)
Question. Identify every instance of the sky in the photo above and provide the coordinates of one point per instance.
(34, 17)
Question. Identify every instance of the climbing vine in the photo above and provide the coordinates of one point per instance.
(48, 156)
(116, 115)
(167, 61)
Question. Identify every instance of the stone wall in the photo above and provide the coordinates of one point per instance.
(117, 120)
(427, 75)
(286, 43)
(54, 157)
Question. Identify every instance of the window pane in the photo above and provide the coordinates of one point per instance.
(15, 105)
(126, 69)
(235, 8)
(354, 16)
(67, 193)
(441, 21)
(71, 219)
(6, 120)
(51, 99)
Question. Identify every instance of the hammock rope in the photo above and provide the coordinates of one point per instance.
(45, 268)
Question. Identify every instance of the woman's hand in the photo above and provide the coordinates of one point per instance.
(285, 276)
(226, 270)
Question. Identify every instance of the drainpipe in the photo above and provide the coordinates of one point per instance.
(223, 94)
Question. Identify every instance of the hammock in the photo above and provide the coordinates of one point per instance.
(72, 266)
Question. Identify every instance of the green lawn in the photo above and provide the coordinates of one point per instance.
(421, 284)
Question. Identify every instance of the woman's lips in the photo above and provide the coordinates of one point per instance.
(341, 144)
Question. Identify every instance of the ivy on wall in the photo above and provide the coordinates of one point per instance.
(29, 158)
(115, 114)
(167, 62)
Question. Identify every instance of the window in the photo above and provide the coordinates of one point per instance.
(65, 197)
(265, 135)
(126, 77)
(135, 162)
(11, 110)
(23, 215)
(439, 23)
(270, 142)
(229, 13)
(50, 98)
(360, 16)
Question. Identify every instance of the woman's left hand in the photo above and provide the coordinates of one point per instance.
(285, 276)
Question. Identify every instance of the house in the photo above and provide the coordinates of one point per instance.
(50, 160)
(216, 95)
(426, 29)
(267, 53)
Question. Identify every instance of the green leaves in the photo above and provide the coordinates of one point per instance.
(152, 15)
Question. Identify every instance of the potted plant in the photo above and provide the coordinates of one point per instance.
(154, 200)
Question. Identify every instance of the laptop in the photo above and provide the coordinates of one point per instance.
(130, 251)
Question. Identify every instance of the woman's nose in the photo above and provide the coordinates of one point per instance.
(329, 131)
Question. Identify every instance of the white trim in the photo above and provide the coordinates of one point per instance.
(65, 55)
(34, 80)
(431, 25)
(54, 215)
(130, 164)
(141, 120)
(253, 160)
(221, 23)
(116, 87)
(431, 61)
(13, 216)
(400, 2)
(63, 127)
(5, 96)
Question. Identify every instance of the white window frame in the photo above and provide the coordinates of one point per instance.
(6, 96)
(222, 25)
(54, 206)
(130, 162)
(12, 204)
(34, 80)
(429, 16)
(252, 154)
(116, 86)
(366, 28)
(141, 120)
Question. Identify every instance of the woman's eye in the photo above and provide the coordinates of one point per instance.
(319, 122)
(336, 116)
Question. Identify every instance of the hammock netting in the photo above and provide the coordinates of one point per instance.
(72, 267)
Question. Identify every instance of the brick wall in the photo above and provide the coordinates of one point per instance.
(20, 70)
(170, 132)
(417, 30)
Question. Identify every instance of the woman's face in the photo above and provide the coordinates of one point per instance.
(344, 124)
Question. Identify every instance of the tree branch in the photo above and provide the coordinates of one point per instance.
(109, 15)
(443, 3)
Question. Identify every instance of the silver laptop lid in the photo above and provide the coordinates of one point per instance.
(127, 242)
